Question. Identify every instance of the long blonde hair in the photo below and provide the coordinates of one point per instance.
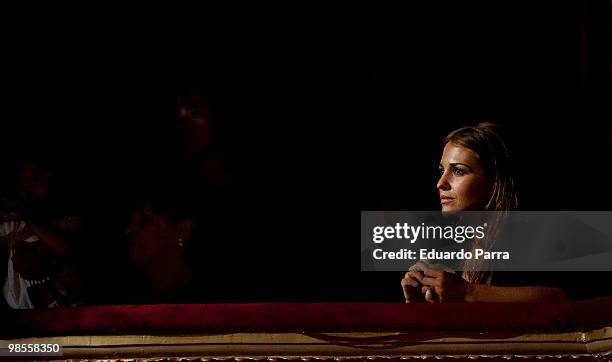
(485, 140)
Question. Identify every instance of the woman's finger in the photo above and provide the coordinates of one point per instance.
(430, 281)
(418, 275)
(408, 281)
(409, 285)
(406, 290)
(426, 280)
(434, 273)
(429, 294)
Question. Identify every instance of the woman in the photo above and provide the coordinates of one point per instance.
(476, 174)
(157, 236)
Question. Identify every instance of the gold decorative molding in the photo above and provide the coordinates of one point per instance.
(575, 345)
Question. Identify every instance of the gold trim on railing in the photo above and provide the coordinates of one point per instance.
(594, 344)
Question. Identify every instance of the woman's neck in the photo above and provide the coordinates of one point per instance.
(167, 274)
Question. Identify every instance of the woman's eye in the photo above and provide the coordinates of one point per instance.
(458, 172)
(441, 170)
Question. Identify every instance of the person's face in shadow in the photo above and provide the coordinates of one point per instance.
(35, 182)
(463, 184)
(151, 235)
(195, 122)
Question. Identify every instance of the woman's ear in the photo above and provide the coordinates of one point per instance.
(183, 229)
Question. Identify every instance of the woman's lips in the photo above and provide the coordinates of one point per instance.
(446, 200)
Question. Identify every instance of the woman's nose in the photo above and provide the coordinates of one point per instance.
(132, 226)
(443, 183)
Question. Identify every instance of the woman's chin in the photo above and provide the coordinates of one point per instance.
(449, 208)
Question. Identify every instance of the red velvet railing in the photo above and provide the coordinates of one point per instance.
(315, 317)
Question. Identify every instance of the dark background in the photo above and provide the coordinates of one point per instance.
(321, 115)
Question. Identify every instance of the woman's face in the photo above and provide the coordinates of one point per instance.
(150, 235)
(463, 183)
(35, 182)
(195, 123)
